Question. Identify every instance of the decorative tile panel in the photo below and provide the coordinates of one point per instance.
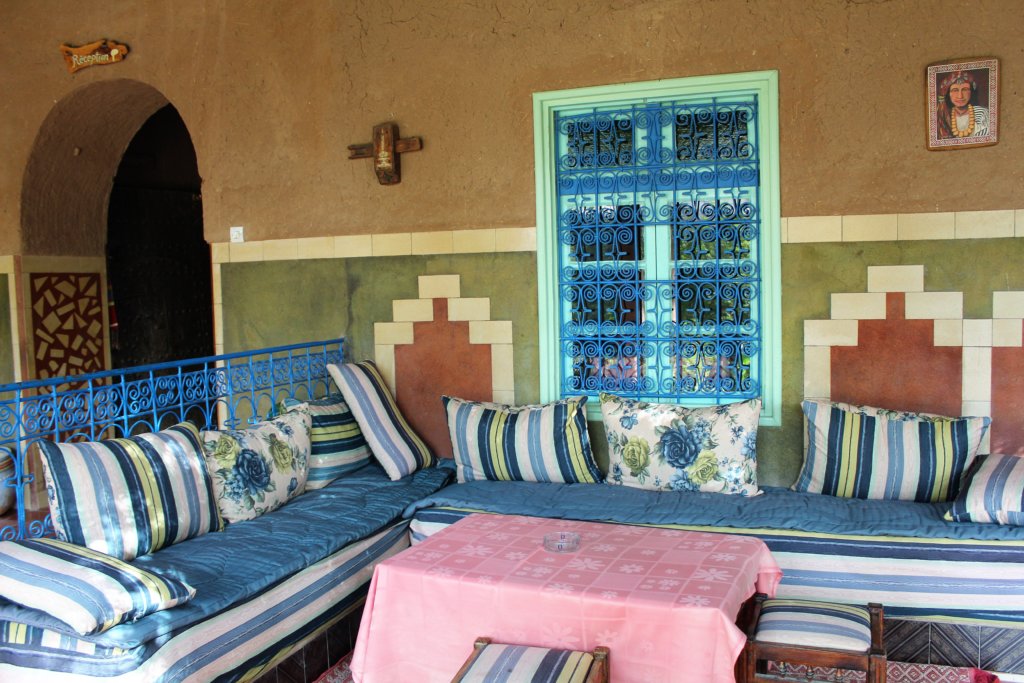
(67, 323)
(443, 343)
(923, 355)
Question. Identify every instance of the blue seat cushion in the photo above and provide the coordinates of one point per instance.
(522, 664)
(810, 623)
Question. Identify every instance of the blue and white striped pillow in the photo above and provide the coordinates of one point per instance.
(524, 663)
(525, 443)
(130, 497)
(393, 442)
(337, 445)
(864, 452)
(992, 492)
(87, 590)
(811, 623)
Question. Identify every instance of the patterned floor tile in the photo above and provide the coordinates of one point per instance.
(955, 644)
(907, 641)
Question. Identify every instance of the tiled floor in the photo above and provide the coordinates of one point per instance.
(959, 645)
(988, 648)
(306, 665)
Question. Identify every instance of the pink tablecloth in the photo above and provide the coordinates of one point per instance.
(665, 601)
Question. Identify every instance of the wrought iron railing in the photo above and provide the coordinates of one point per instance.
(659, 249)
(225, 391)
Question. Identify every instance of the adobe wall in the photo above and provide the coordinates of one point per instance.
(273, 92)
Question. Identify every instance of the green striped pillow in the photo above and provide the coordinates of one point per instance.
(130, 497)
(88, 591)
(337, 446)
(864, 452)
(394, 444)
(526, 443)
(992, 493)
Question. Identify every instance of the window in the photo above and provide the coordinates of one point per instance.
(658, 240)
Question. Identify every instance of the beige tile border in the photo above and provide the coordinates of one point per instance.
(947, 225)
(959, 225)
(480, 241)
(794, 229)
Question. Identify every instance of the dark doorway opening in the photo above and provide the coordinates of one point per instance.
(158, 263)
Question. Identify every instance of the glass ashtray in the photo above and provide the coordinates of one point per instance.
(562, 541)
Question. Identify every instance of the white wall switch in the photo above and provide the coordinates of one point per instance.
(237, 233)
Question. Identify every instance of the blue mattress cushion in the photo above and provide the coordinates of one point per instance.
(247, 558)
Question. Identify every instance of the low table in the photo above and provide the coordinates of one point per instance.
(664, 601)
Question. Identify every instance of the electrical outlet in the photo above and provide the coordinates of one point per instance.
(237, 234)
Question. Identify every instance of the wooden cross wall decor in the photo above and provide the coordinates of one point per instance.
(384, 149)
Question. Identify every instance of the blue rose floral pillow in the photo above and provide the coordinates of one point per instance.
(259, 469)
(666, 447)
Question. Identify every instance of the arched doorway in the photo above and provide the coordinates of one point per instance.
(158, 264)
(112, 139)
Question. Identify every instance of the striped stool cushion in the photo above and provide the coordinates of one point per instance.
(522, 664)
(814, 624)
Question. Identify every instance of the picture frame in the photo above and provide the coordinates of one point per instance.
(963, 103)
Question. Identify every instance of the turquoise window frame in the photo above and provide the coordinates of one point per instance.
(762, 84)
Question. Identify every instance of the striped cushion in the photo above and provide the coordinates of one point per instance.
(527, 443)
(87, 590)
(392, 441)
(993, 492)
(814, 624)
(522, 664)
(862, 452)
(129, 497)
(337, 447)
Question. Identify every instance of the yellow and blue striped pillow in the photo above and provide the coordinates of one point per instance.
(88, 591)
(130, 497)
(524, 664)
(526, 443)
(393, 442)
(337, 446)
(864, 452)
(993, 492)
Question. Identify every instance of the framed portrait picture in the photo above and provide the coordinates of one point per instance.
(963, 104)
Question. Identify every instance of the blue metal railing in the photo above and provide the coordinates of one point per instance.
(215, 392)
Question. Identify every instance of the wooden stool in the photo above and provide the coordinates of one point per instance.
(809, 633)
(497, 663)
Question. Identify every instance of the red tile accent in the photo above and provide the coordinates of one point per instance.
(896, 365)
(440, 361)
(1007, 431)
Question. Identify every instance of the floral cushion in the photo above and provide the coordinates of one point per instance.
(865, 452)
(992, 492)
(671, 447)
(257, 470)
(88, 591)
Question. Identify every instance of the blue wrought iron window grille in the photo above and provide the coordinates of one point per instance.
(659, 250)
